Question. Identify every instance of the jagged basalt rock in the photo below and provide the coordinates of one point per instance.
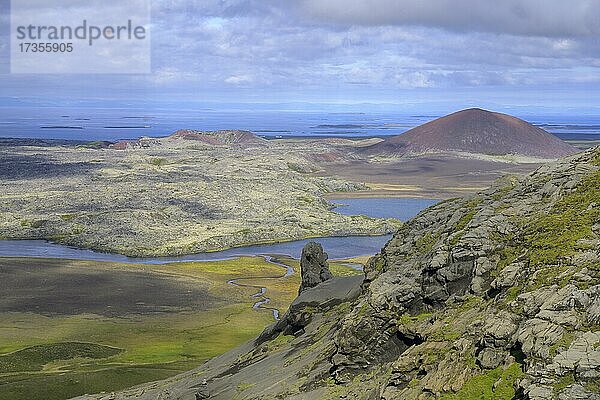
(484, 248)
(319, 291)
(313, 265)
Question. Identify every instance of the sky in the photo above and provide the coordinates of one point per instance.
(539, 56)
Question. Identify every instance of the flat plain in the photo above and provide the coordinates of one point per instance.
(73, 327)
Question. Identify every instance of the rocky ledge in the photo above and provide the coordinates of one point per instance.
(495, 296)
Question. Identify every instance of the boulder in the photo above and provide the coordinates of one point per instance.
(313, 266)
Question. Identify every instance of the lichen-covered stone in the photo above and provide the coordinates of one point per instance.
(313, 266)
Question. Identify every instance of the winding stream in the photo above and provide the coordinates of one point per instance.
(262, 291)
(336, 247)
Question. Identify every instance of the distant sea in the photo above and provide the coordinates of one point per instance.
(115, 124)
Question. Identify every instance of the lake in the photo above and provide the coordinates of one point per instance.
(402, 209)
(337, 247)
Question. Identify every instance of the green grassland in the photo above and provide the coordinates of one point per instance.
(60, 356)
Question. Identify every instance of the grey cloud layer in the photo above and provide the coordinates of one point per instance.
(273, 43)
(519, 17)
(277, 45)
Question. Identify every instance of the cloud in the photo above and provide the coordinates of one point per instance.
(168, 75)
(336, 47)
(518, 17)
(238, 79)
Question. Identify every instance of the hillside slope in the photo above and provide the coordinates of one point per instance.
(475, 131)
(495, 296)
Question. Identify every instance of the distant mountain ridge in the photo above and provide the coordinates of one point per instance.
(475, 131)
(217, 138)
(222, 137)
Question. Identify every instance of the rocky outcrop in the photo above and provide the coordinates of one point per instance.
(496, 296)
(313, 266)
(320, 298)
(319, 291)
(506, 280)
